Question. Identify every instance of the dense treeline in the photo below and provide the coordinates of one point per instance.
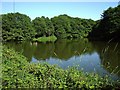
(108, 28)
(18, 26)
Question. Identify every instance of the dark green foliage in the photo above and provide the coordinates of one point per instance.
(61, 25)
(50, 27)
(18, 73)
(16, 26)
(43, 26)
(109, 26)
(69, 27)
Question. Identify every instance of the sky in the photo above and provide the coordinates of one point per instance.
(88, 10)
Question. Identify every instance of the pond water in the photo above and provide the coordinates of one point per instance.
(96, 56)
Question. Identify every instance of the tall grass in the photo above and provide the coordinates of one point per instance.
(105, 51)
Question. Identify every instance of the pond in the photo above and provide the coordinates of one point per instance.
(90, 56)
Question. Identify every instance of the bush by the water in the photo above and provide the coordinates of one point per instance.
(46, 39)
(18, 73)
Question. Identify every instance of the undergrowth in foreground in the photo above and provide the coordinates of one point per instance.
(18, 73)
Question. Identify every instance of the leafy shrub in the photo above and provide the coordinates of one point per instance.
(45, 39)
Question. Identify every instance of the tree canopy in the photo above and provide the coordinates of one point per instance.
(43, 26)
(16, 26)
(69, 27)
(109, 26)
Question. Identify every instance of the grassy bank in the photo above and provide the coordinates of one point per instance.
(45, 39)
(18, 73)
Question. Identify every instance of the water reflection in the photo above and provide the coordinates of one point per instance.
(109, 55)
(98, 57)
(62, 49)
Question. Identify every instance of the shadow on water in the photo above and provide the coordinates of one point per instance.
(109, 55)
(99, 57)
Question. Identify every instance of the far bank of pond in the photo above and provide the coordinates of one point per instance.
(97, 56)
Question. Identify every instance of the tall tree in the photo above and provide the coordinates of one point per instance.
(69, 27)
(16, 26)
(109, 26)
(43, 26)
(50, 27)
(40, 26)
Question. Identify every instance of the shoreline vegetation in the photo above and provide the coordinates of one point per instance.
(18, 73)
(45, 39)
